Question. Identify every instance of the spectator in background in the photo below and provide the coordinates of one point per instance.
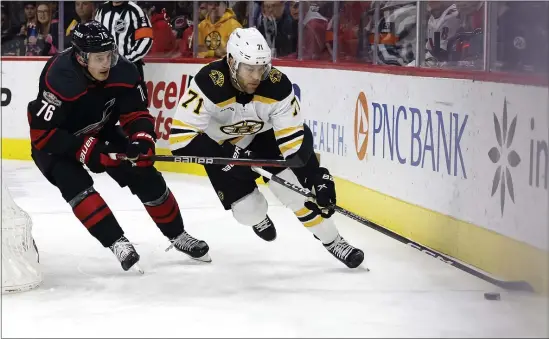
(276, 25)
(214, 31)
(29, 30)
(202, 10)
(241, 10)
(314, 32)
(186, 41)
(293, 6)
(349, 19)
(164, 37)
(30, 14)
(184, 20)
(84, 13)
(179, 25)
(30, 17)
(46, 41)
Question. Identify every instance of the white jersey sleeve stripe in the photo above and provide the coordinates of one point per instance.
(287, 132)
(288, 125)
(290, 147)
(192, 117)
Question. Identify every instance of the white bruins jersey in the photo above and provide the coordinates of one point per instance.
(213, 106)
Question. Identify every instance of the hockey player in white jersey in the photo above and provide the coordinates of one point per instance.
(240, 106)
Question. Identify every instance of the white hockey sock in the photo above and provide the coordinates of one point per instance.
(324, 229)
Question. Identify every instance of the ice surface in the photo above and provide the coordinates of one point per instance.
(291, 287)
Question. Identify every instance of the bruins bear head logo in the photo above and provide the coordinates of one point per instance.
(275, 75)
(217, 77)
(213, 40)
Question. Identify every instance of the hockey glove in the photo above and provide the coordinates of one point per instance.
(322, 185)
(142, 144)
(244, 173)
(93, 154)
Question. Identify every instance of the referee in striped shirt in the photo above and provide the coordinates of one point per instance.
(130, 27)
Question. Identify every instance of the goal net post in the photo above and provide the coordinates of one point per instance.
(20, 260)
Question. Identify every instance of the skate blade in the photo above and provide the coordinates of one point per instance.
(136, 268)
(205, 258)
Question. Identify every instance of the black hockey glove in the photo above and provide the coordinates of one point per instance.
(93, 154)
(142, 144)
(244, 173)
(322, 185)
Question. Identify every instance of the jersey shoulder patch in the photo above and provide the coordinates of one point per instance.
(63, 78)
(214, 80)
(124, 73)
(277, 86)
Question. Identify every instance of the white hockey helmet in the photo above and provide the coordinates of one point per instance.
(248, 46)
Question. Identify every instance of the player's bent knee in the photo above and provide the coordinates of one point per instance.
(73, 202)
(250, 210)
(289, 198)
(149, 186)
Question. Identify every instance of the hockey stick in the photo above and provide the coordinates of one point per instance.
(508, 285)
(213, 160)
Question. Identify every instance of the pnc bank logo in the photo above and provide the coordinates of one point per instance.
(361, 126)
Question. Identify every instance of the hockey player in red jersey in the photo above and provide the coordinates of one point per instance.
(83, 93)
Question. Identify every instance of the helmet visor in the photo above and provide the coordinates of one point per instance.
(253, 72)
(103, 60)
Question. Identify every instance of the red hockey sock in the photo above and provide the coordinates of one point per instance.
(97, 217)
(166, 215)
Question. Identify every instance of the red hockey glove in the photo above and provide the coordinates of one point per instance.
(93, 154)
(142, 144)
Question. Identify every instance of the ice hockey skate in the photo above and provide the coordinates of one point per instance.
(126, 254)
(351, 256)
(265, 229)
(194, 248)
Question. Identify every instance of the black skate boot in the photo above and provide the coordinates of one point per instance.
(126, 254)
(351, 256)
(265, 230)
(194, 248)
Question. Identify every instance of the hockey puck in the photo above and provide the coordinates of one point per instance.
(492, 296)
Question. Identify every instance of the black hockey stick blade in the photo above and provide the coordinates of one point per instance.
(212, 160)
(519, 285)
(508, 285)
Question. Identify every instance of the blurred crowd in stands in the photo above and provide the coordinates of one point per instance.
(456, 34)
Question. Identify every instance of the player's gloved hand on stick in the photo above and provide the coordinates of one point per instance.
(142, 144)
(235, 152)
(322, 185)
(94, 154)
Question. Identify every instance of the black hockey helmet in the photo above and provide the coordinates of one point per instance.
(93, 37)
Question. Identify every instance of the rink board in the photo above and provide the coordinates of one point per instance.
(457, 165)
